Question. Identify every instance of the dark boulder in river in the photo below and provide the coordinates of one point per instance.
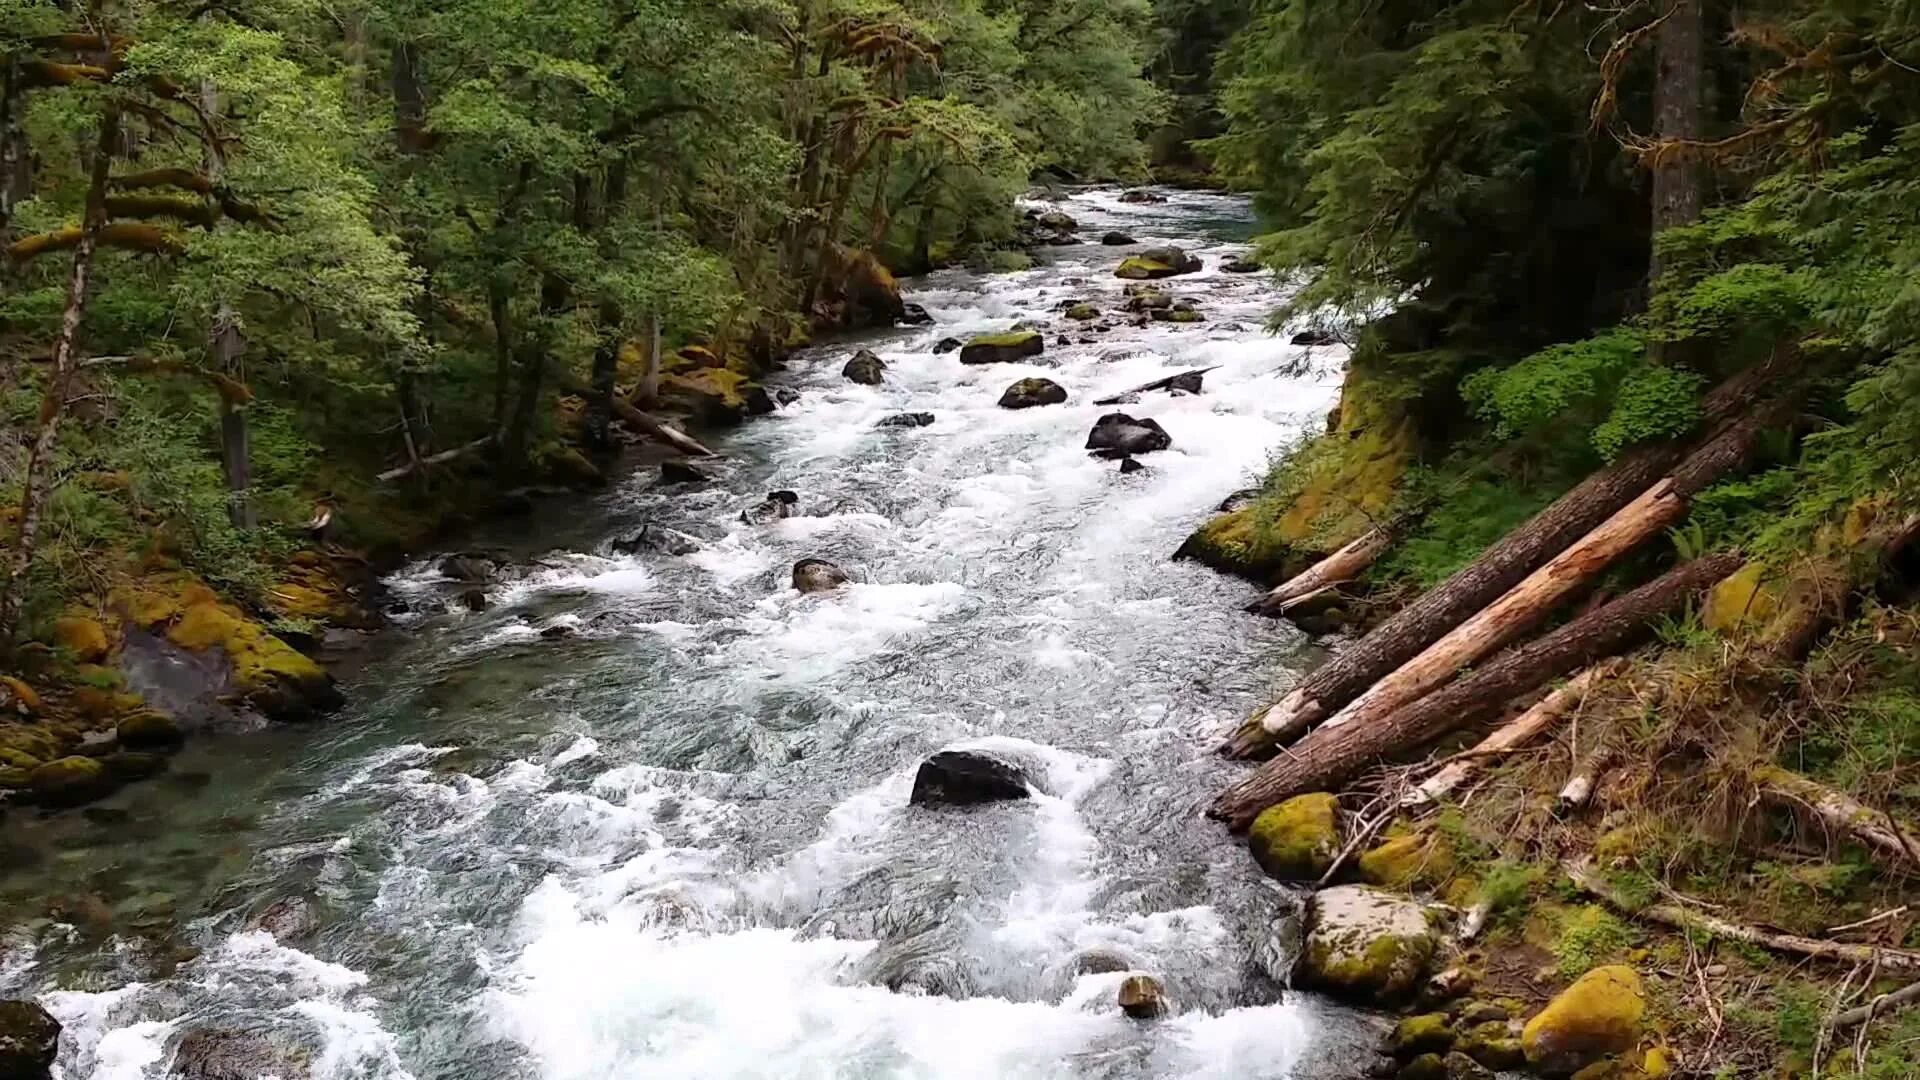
(656, 538)
(907, 419)
(1031, 393)
(947, 345)
(679, 472)
(865, 368)
(777, 505)
(1118, 435)
(1118, 239)
(966, 777)
(29, 1041)
(1017, 344)
(817, 575)
(914, 315)
(217, 1054)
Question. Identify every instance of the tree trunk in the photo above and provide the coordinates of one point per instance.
(531, 353)
(16, 181)
(1497, 570)
(236, 447)
(1338, 568)
(1332, 756)
(1529, 603)
(1677, 53)
(1879, 831)
(634, 418)
(37, 483)
(1518, 732)
(502, 353)
(606, 368)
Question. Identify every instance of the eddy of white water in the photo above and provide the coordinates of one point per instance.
(647, 816)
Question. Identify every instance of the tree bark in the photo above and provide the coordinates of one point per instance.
(502, 352)
(634, 418)
(1497, 570)
(1338, 568)
(1333, 755)
(1878, 831)
(37, 484)
(236, 446)
(1518, 732)
(1529, 603)
(1678, 60)
(431, 460)
(16, 181)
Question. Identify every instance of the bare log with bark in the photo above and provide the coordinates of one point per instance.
(1166, 383)
(1332, 756)
(1684, 918)
(1499, 568)
(1536, 721)
(1342, 566)
(645, 423)
(441, 458)
(1880, 832)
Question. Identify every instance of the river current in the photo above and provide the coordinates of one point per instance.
(672, 839)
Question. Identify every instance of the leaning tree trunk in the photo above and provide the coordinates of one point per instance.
(1879, 831)
(1498, 569)
(1336, 569)
(1332, 756)
(1529, 603)
(236, 445)
(37, 486)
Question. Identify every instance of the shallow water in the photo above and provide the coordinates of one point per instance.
(676, 843)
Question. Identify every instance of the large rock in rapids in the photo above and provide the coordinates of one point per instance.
(1031, 393)
(1142, 196)
(29, 1041)
(965, 777)
(1597, 1017)
(658, 538)
(817, 575)
(1004, 348)
(1365, 945)
(1297, 840)
(1156, 263)
(1118, 435)
(220, 1054)
(1142, 997)
(865, 368)
(777, 505)
(906, 420)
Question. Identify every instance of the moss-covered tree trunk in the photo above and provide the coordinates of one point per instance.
(1679, 61)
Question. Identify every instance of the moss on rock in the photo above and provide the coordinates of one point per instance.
(1083, 312)
(267, 673)
(82, 637)
(1599, 1016)
(149, 729)
(70, 781)
(23, 698)
(1298, 839)
(1366, 945)
(1408, 860)
(717, 396)
(1003, 348)
(1492, 1044)
(1141, 268)
(1427, 1033)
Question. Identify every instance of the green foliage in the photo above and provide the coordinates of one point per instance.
(1506, 886)
(1464, 519)
(1589, 936)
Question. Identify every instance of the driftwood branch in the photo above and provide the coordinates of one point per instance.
(1880, 832)
(1157, 384)
(1511, 736)
(1338, 568)
(440, 458)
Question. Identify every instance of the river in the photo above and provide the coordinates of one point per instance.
(676, 843)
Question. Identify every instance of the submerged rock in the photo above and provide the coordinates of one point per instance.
(785, 395)
(1142, 997)
(29, 1041)
(1129, 466)
(220, 1054)
(914, 315)
(865, 368)
(947, 345)
(817, 575)
(1118, 239)
(149, 729)
(906, 420)
(1240, 264)
(1083, 312)
(290, 918)
(1032, 393)
(474, 599)
(1054, 219)
(674, 471)
(1142, 196)
(1004, 348)
(1298, 839)
(777, 505)
(965, 777)
(658, 538)
(1117, 434)
(1315, 338)
(70, 781)
(1597, 1017)
(1366, 945)
(467, 568)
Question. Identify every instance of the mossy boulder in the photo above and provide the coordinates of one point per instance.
(568, 465)
(27, 745)
(1424, 1067)
(127, 766)
(70, 781)
(147, 730)
(1492, 1044)
(264, 672)
(82, 637)
(1427, 1033)
(1156, 263)
(18, 697)
(1083, 312)
(1408, 860)
(1032, 393)
(865, 368)
(1365, 945)
(29, 1041)
(1596, 1018)
(14, 778)
(1298, 839)
(1004, 348)
(1176, 314)
(856, 289)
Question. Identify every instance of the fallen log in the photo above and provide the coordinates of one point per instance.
(1333, 755)
(1157, 384)
(1878, 831)
(1529, 603)
(441, 458)
(1338, 568)
(1879, 1006)
(1583, 874)
(633, 417)
(1523, 729)
(1497, 570)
